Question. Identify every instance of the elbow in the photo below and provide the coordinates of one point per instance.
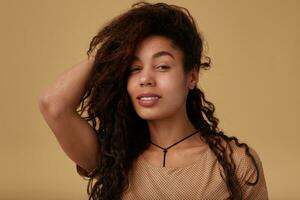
(49, 107)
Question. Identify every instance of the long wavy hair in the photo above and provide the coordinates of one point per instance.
(122, 134)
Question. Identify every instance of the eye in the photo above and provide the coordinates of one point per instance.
(133, 69)
(163, 66)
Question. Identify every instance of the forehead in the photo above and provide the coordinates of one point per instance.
(154, 47)
(157, 55)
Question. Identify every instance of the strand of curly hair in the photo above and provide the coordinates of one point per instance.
(123, 135)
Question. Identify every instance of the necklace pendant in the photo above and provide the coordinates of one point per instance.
(166, 149)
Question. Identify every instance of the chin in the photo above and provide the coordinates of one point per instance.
(151, 115)
(148, 116)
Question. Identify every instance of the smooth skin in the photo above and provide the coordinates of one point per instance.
(58, 106)
(163, 74)
(167, 120)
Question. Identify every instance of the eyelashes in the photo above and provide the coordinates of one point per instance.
(164, 67)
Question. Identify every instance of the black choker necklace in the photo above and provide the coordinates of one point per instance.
(166, 149)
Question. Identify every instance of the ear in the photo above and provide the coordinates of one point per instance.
(193, 77)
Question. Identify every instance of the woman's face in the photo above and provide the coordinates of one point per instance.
(158, 69)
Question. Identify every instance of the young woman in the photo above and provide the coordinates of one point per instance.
(152, 133)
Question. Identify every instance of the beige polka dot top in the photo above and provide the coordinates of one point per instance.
(201, 180)
(198, 181)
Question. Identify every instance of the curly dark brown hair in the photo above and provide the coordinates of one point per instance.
(123, 135)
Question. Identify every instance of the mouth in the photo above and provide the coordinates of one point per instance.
(148, 101)
(148, 96)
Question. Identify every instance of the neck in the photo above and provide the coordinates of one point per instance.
(166, 132)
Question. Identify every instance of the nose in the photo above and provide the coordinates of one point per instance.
(147, 79)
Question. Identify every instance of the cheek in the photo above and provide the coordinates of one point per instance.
(133, 90)
(130, 88)
(174, 91)
(174, 83)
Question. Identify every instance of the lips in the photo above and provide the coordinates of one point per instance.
(148, 95)
(148, 99)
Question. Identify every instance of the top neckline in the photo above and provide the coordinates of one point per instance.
(143, 159)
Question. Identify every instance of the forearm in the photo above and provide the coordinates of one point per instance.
(65, 92)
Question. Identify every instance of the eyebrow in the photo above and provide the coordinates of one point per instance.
(156, 55)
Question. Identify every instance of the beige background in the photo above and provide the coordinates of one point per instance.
(253, 82)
